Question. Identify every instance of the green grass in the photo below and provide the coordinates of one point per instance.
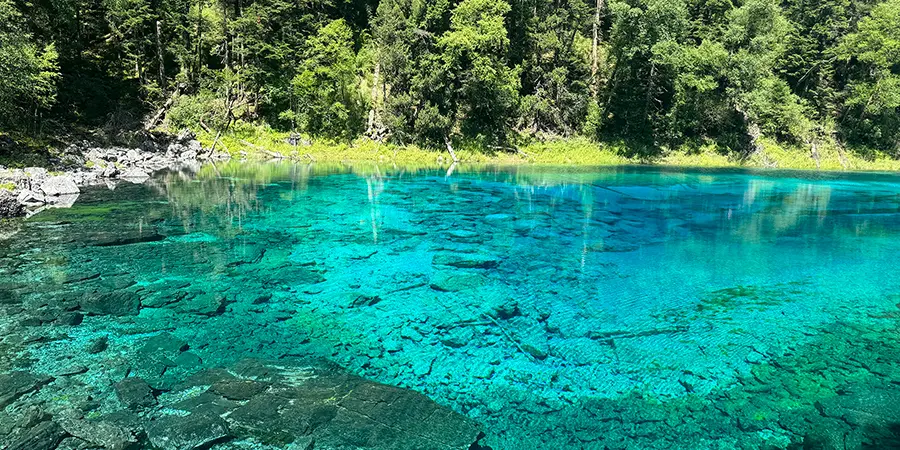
(258, 142)
(7, 186)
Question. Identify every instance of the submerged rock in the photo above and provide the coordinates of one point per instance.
(209, 304)
(456, 281)
(45, 436)
(187, 432)
(16, 384)
(466, 261)
(100, 433)
(117, 303)
(324, 403)
(135, 393)
(98, 345)
(237, 389)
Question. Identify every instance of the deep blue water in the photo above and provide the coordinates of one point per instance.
(591, 308)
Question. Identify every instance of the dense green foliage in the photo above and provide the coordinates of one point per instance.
(27, 71)
(655, 73)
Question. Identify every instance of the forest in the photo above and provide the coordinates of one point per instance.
(652, 73)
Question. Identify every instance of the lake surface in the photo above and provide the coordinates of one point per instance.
(593, 308)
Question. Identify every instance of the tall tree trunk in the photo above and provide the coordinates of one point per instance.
(373, 112)
(595, 63)
(199, 39)
(159, 53)
(226, 34)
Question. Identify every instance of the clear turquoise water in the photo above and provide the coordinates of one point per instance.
(606, 308)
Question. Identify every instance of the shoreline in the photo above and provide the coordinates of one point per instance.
(29, 190)
(264, 144)
(25, 191)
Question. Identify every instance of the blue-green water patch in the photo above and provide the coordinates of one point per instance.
(607, 308)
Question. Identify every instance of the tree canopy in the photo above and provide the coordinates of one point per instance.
(659, 73)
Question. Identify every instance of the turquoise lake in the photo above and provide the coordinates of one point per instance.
(607, 308)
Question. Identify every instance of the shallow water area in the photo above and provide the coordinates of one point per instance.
(623, 307)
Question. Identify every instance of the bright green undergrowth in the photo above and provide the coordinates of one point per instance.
(259, 142)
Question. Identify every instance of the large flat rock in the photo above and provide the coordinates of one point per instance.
(318, 401)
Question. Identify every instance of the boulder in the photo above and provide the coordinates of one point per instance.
(189, 432)
(447, 281)
(9, 206)
(466, 261)
(30, 198)
(101, 433)
(321, 402)
(163, 343)
(135, 175)
(34, 176)
(116, 303)
(135, 393)
(59, 185)
(98, 345)
(188, 155)
(185, 136)
(63, 201)
(207, 304)
(238, 389)
(45, 436)
(18, 383)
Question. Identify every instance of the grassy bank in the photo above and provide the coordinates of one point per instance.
(262, 143)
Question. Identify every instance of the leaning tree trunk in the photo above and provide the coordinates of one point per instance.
(450, 149)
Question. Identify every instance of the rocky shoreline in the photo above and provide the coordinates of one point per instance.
(24, 192)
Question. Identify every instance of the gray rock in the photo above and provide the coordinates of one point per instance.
(98, 345)
(185, 136)
(30, 198)
(18, 383)
(63, 201)
(132, 156)
(9, 206)
(323, 403)
(104, 434)
(135, 175)
(538, 351)
(238, 389)
(466, 261)
(448, 281)
(188, 155)
(174, 149)
(188, 432)
(45, 436)
(59, 185)
(163, 343)
(117, 303)
(209, 304)
(35, 176)
(135, 393)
